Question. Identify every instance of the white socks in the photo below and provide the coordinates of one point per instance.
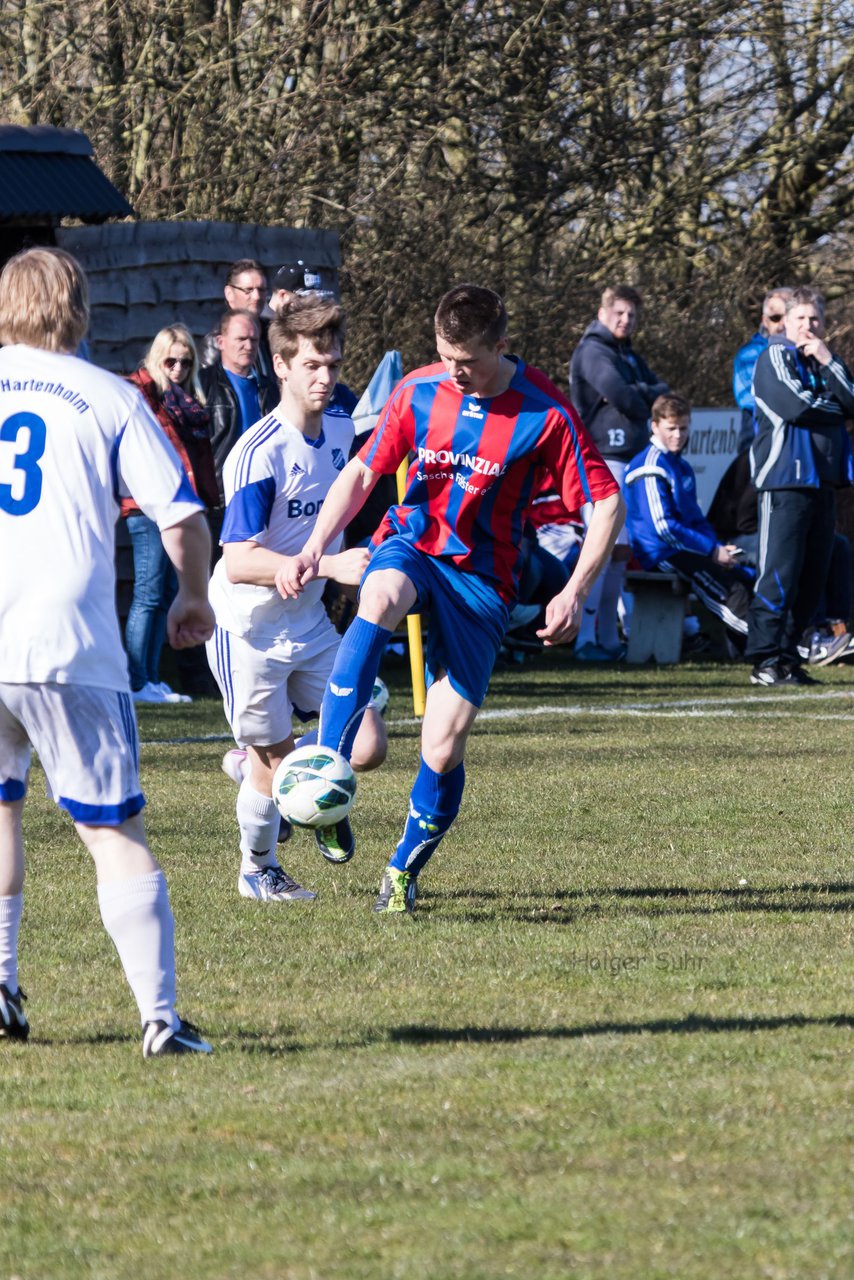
(258, 820)
(11, 910)
(612, 586)
(137, 916)
(587, 630)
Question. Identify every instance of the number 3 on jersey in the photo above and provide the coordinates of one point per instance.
(26, 433)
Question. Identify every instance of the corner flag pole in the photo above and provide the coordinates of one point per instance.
(413, 626)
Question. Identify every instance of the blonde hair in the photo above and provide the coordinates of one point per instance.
(44, 300)
(159, 350)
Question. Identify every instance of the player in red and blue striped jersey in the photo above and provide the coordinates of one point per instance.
(481, 426)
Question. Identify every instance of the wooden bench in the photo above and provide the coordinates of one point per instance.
(657, 616)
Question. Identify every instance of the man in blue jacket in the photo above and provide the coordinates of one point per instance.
(772, 323)
(667, 528)
(613, 389)
(800, 456)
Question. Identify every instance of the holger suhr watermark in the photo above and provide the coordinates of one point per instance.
(614, 963)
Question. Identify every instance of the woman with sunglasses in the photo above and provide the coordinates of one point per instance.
(168, 379)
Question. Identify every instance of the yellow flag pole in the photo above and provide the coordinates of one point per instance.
(413, 626)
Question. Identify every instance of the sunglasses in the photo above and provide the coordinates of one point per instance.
(183, 362)
(776, 318)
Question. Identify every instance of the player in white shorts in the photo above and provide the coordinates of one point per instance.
(73, 440)
(271, 655)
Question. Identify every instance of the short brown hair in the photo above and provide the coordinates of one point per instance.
(670, 406)
(44, 300)
(321, 320)
(244, 264)
(470, 313)
(621, 293)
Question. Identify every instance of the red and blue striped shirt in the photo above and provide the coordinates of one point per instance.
(475, 466)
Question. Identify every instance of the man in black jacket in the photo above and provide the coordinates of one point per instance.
(613, 390)
(236, 397)
(245, 289)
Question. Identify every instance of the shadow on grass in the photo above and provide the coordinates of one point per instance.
(679, 900)
(691, 1024)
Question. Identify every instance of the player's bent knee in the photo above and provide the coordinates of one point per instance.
(371, 746)
(443, 754)
(385, 598)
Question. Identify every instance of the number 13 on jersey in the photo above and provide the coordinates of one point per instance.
(22, 442)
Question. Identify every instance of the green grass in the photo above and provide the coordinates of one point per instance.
(614, 1042)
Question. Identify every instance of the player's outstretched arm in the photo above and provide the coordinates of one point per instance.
(345, 568)
(344, 500)
(190, 619)
(252, 563)
(563, 612)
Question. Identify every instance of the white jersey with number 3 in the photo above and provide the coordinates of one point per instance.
(73, 440)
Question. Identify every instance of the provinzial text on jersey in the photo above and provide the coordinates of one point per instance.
(448, 457)
(49, 388)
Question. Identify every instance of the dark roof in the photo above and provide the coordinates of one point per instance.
(48, 172)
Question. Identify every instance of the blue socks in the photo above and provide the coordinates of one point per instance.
(351, 684)
(433, 805)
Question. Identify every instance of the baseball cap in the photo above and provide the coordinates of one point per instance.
(299, 279)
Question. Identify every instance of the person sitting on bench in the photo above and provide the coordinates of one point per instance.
(667, 529)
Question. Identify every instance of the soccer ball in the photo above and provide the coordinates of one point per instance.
(314, 787)
(379, 696)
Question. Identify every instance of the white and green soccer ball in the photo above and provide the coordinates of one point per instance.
(314, 787)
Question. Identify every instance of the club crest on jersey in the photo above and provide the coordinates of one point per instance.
(338, 460)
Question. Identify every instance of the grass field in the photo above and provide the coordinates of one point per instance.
(614, 1042)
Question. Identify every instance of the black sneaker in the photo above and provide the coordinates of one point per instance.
(337, 843)
(768, 675)
(159, 1039)
(797, 675)
(13, 1020)
(771, 674)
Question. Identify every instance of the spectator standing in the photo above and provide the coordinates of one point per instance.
(235, 396)
(801, 454)
(168, 379)
(76, 437)
(771, 324)
(245, 289)
(613, 390)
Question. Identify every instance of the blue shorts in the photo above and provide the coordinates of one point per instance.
(468, 618)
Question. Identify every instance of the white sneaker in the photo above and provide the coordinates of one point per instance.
(234, 764)
(149, 693)
(272, 884)
(169, 695)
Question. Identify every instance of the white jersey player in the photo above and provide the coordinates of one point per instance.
(73, 439)
(271, 655)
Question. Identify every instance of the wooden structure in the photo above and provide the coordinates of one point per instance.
(47, 174)
(657, 617)
(144, 275)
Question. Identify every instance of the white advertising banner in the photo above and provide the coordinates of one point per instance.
(711, 448)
